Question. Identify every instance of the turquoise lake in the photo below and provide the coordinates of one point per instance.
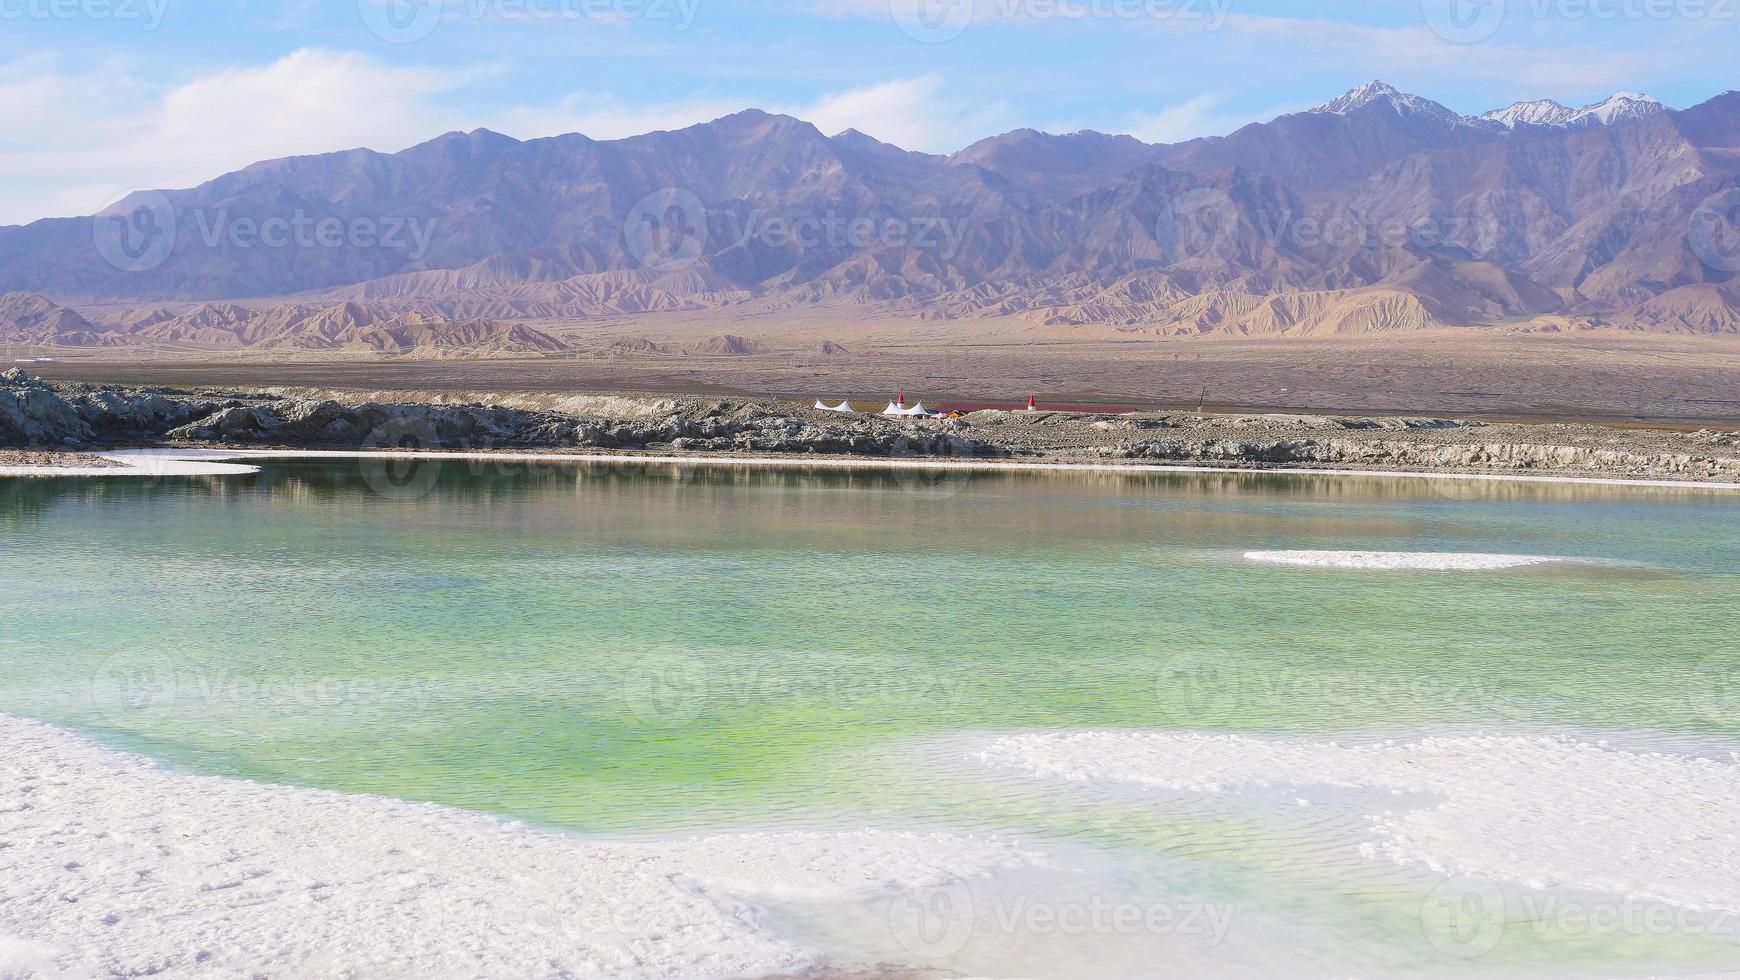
(654, 649)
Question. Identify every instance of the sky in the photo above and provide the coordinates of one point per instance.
(102, 97)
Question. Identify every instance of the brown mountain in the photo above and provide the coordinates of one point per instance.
(343, 327)
(26, 318)
(1378, 211)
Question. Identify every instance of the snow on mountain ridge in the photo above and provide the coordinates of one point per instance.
(1538, 112)
(1404, 103)
(1622, 106)
(1618, 107)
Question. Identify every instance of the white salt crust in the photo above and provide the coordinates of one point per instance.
(1539, 811)
(145, 463)
(1398, 561)
(115, 866)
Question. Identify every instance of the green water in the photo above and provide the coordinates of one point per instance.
(637, 650)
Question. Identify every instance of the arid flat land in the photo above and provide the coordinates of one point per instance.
(1663, 381)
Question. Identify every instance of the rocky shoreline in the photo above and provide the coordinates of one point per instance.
(71, 417)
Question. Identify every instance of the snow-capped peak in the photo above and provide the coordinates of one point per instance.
(1618, 107)
(1539, 112)
(1383, 93)
(1622, 106)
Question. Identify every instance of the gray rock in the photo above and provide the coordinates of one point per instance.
(33, 414)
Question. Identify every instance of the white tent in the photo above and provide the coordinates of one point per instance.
(916, 410)
(842, 407)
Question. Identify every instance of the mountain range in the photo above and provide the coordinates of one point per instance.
(1376, 211)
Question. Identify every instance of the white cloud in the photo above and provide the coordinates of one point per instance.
(913, 113)
(310, 101)
(1201, 116)
(602, 116)
(1186, 120)
(129, 136)
(910, 113)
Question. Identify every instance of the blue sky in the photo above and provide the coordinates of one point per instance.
(100, 97)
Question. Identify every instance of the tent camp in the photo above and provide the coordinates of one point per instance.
(842, 407)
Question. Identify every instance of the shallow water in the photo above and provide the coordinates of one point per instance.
(635, 650)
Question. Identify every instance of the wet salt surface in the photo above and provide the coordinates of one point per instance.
(1400, 560)
(1542, 812)
(118, 867)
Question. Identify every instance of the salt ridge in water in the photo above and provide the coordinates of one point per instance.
(141, 463)
(1420, 561)
(1541, 811)
(118, 867)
